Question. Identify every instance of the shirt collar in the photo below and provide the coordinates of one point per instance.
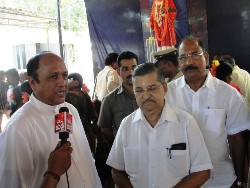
(168, 114)
(209, 83)
(45, 107)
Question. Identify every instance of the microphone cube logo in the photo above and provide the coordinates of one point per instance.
(69, 127)
(63, 122)
(59, 123)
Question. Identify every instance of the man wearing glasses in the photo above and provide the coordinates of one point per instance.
(157, 145)
(220, 111)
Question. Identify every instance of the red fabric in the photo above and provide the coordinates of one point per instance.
(236, 87)
(170, 38)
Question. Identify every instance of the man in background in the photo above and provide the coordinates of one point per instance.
(167, 62)
(240, 77)
(4, 107)
(107, 79)
(115, 106)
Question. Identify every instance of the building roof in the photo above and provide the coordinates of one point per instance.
(18, 17)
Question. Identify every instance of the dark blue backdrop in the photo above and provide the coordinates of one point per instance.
(116, 26)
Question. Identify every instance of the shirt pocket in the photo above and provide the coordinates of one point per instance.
(177, 163)
(215, 120)
(131, 159)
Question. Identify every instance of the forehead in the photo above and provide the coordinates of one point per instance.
(51, 63)
(145, 80)
(189, 46)
(128, 62)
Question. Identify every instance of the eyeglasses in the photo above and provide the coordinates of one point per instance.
(194, 56)
(150, 89)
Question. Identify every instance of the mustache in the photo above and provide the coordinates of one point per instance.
(148, 100)
(190, 68)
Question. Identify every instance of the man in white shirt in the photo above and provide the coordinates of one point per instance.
(157, 145)
(29, 136)
(220, 111)
(240, 77)
(107, 79)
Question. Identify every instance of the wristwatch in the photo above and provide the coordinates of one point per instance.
(241, 184)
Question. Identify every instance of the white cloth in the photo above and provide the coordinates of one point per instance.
(142, 151)
(107, 80)
(241, 78)
(28, 139)
(219, 110)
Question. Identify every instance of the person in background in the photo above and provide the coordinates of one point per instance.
(29, 136)
(107, 79)
(4, 107)
(240, 77)
(12, 78)
(220, 111)
(58, 163)
(167, 62)
(82, 102)
(158, 145)
(115, 106)
(223, 71)
(23, 77)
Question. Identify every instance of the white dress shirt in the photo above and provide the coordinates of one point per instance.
(219, 110)
(28, 139)
(107, 80)
(143, 152)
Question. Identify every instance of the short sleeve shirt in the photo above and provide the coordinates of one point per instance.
(219, 110)
(116, 106)
(144, 152)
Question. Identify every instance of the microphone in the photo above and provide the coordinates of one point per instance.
(63, 124)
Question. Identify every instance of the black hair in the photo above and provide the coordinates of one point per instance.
(77, 77)
(190, 37)
(126, 55)
(223, 70)
(228, 59)
(146, 68)
(111, 58)
(13, 73)
(33, 65)
(25, 87)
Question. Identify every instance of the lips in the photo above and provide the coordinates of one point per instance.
(61, 93)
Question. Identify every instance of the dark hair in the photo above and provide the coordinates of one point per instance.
(190, 37)
(25, 87)
(146, 68)
(126, 55)
(76, 77)
(33, 65)
(223, 70)
(13, 73)
(111, 58)
(228, 59)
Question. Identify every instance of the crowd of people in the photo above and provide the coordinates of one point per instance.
(179, 121)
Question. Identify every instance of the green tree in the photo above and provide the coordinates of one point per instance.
(73, 12)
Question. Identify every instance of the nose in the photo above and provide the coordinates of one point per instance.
(62, 81)
(189, 61)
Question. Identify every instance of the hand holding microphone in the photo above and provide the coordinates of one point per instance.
(58, 163)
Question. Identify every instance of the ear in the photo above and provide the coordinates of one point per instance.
(32, 83)
(118, 71)
(206, 55)
(165, 87)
